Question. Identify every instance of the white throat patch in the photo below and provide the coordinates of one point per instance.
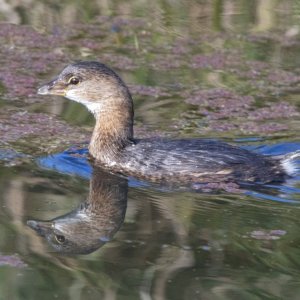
(92, 107)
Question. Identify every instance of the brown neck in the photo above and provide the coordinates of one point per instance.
(113, 131)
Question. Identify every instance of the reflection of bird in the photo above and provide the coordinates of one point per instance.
(94, 223)
(103, 92)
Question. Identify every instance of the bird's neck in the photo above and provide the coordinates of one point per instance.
(113, 131)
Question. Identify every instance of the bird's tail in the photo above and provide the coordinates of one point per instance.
(291, 162)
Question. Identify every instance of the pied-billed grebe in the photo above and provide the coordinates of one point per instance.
(113, 146)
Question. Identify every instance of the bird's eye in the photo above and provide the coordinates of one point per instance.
(73, 80)
(60, 239)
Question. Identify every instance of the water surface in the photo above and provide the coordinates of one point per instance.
(221, 69)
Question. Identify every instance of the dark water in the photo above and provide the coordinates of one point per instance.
(225, 69)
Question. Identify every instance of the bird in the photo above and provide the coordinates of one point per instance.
(114, 147)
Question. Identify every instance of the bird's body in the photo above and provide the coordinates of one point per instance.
(193, 160)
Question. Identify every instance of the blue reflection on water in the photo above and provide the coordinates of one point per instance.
(275, 149)
(74, 162)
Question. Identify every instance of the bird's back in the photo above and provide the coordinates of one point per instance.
(197, 160)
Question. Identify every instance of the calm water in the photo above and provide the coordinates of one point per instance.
(221, 69)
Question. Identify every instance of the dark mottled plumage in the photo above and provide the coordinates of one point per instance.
(203, 161)
(113, 146)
